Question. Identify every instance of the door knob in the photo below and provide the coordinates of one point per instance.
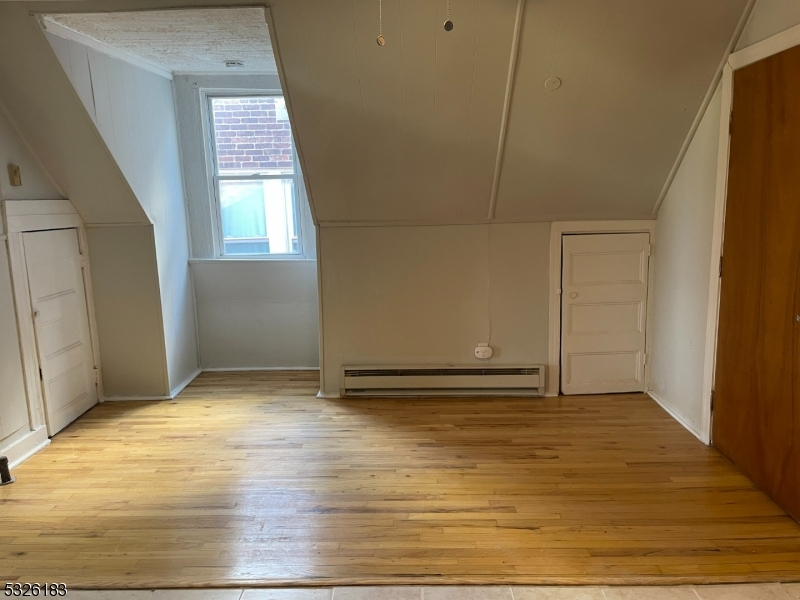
(575, 295)
(798, 317)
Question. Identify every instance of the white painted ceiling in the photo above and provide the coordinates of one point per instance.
(197, 40)
(409, 132)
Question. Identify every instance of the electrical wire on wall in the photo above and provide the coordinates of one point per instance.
(489, 284)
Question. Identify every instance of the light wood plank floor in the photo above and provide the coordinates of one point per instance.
(248, 479)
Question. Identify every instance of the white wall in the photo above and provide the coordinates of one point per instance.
(250, 313)
(125, 286)
(429, 295)
(681, 276)
(768, 18)
(256, 314)
(36, 184)
(134, 112)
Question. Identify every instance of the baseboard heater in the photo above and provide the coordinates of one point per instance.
(451, 380)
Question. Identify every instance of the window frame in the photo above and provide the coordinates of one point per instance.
(213, 179)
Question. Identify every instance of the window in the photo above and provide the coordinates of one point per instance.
(255, 175)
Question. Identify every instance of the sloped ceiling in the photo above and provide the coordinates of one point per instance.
(51, 118)
(409, 132)
(404, 132)
(634, 74)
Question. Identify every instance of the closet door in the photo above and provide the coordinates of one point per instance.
(756, 419)
(604, 312)
(61, 322)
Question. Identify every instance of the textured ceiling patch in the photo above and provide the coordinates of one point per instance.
(195, 40)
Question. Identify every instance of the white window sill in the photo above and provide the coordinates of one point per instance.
(258, 259)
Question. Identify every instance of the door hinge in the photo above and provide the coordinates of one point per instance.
(96, 376)
(730, 124)
(649, 249)
(40, 374)
(712, 400)
(720, 266)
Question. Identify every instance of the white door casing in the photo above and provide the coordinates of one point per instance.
(61, 323)
(604, 286)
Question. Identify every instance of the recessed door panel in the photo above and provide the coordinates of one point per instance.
(607, 267)
(607, 367)
(604, 312)
(609, 317)
(71, 386)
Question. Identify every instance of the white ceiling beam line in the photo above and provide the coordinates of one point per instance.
(512, 72)
(75, 36)
(549, 218)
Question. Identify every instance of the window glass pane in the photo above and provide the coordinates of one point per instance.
(252, 135)
(258, 217)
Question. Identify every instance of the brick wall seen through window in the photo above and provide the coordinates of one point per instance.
(252, 134)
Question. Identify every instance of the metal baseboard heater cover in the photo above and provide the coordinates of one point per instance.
(449, 380)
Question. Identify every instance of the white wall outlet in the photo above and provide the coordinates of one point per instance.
(483, 352)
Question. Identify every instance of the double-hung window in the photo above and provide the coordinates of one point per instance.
(255, 175)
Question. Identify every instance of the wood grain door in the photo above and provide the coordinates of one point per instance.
(756, 419)
(604, 312)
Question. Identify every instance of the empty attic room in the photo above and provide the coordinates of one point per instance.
(400, 299)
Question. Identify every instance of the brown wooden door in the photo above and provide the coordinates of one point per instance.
(756, 420)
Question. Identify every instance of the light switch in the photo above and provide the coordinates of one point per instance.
(14, 175)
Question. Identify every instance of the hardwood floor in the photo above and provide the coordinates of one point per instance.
(250, 480)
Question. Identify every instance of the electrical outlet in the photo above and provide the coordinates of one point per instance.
(483, 352)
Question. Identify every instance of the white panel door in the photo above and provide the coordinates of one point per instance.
(603, 312)
(61, 320)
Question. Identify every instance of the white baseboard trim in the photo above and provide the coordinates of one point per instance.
(180, 387)
(551, 394)
(26, 446)
(174, 393)
(678, 417)
(135, 398)
(247, 369)
(328, 396)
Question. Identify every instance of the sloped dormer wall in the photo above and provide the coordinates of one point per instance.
(50, 116)
(134, 112)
